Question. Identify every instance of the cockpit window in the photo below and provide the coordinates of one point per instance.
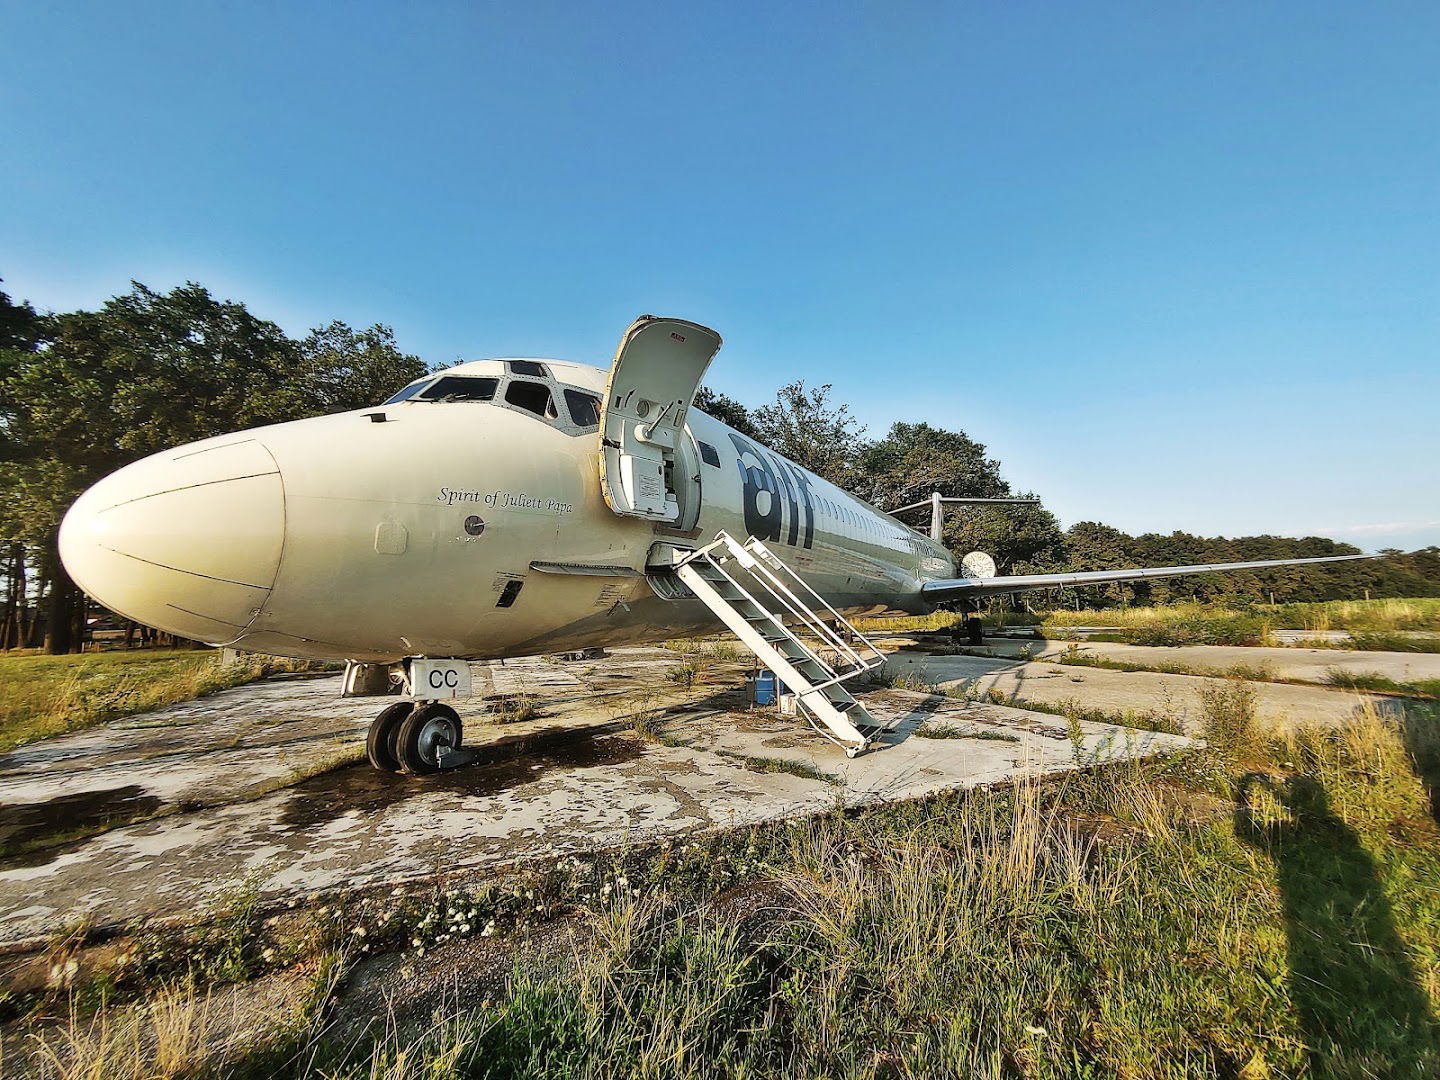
(584, 408)
(578, 414)
(409, 391)
(459, 388)
(533, 396)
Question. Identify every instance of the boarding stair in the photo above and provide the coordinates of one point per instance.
(792, 630)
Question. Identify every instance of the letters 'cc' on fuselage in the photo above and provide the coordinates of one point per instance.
(415, 528)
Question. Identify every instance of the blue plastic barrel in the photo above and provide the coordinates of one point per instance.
(767, 687)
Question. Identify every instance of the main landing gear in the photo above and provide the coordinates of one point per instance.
(416, 738)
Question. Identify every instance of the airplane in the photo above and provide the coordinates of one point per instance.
(517, 507)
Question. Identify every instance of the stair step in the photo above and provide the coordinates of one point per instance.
(722, 566)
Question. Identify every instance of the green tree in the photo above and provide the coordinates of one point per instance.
(22, 331)
(806, 427)
(21, 327)
(1090, 545)
(345, 369)
(150, 371)
(914, 460)
(725, 409)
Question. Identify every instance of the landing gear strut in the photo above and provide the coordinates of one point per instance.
(417, 739)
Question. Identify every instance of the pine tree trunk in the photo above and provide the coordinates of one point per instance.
(32, 623)
(14, 600)
(60, 610)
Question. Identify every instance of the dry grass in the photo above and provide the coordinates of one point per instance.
(1361, 616)
(163, 1038)
(1267, 907)
(42, 696)
(1368, 615)
(892, 677)
(719, 648)
(513, 708)
(901, 624)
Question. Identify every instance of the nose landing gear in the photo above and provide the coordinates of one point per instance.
(416, 739)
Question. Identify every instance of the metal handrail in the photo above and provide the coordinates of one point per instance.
(791, 602)
(756, 564)
(879, 657)
(835, 677)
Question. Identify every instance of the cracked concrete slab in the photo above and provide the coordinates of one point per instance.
(352, 827)
(1300, 664)
(1141, 693)
(243, 742)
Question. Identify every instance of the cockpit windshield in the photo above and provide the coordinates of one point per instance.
(407, 392)
(540, 395)
(460, 388)
(448, 388)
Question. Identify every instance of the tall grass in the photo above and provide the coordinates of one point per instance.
(1094, 929)
(721, 648)
(1267, 907)
(161, 1039)
(1370, 615)
(47, 695)
(1218, 624)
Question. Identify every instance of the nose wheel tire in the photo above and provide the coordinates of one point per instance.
(380, 743)
(427, 733)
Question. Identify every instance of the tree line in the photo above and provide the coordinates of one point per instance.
(83, 393)
(914, 459)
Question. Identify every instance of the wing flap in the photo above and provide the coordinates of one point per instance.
(953, 588)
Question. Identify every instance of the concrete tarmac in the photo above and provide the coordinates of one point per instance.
(200, 797)
(1287, 663)
(1142, 693)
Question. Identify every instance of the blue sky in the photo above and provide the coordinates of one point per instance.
(1177, 264)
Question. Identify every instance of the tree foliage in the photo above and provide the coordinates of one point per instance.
(345, 369)
(803, 424)
(725, 409)
(20, 326)
(915, 459)
(84, 393)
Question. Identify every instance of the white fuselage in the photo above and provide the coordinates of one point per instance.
(403, 530)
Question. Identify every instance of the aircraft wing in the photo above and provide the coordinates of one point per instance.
(957, 588)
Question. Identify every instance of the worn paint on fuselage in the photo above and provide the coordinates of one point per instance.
(381, 558)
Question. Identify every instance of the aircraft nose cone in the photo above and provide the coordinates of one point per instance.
(187, 541)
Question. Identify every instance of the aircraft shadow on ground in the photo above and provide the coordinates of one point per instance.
(1356, 995)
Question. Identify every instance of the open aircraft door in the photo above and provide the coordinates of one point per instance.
(653, 380)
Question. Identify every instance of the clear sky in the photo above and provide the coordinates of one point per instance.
(1178, 265)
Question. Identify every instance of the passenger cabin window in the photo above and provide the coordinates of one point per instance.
(532, 396)
(527, 367)
(459, 388)
(584, 408)
(708, 454)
